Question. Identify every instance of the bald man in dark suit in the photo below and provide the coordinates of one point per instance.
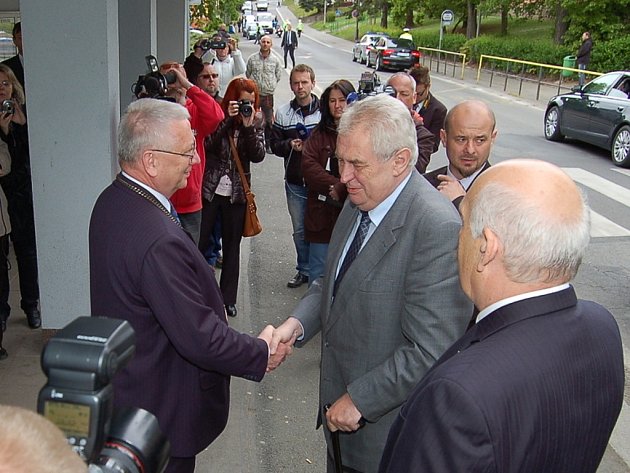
(537, 384)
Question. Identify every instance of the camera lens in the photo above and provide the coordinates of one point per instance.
(245, 108)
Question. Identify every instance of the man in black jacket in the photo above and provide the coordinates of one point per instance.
(584, 55)
(16, 62)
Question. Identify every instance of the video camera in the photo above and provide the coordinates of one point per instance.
(154, 84)
(369, 85)
(80, 361)
(206, 44)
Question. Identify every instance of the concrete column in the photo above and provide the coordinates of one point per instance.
(137, 31)
(71, 68)
(172, 30)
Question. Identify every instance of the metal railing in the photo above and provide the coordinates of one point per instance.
(524, 74)
(443, 61)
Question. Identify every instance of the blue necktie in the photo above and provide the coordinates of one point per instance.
(354, 249)
(174, 213)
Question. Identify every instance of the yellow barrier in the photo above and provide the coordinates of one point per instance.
(446, 53)
(529, 63)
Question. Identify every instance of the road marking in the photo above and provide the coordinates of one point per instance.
(600, 225)
(621, 171)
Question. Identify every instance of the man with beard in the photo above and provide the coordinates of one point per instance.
(468, 135)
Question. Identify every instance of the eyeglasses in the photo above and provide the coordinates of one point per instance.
(189, 156)
(5, 83)
(208, 76)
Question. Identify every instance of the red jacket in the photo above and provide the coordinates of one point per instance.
(205, 116)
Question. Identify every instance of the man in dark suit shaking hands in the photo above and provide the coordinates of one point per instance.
(537, 383)
(146, 269)
(289, 44)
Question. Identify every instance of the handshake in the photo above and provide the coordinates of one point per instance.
(280, 341)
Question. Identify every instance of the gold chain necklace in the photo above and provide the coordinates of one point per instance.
(148, 196)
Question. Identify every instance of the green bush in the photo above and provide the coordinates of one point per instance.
(611, 55)
(525, 49)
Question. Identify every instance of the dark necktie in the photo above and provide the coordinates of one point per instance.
(174, 213)
(354, 248)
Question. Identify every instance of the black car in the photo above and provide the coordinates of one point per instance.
(597, 113)
(393, 53)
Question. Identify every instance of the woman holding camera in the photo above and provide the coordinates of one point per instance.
(326, 193)
(19, 192)
(222, 189)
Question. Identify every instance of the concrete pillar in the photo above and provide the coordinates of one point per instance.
(137, 31)
(172, 30)
(71, 68)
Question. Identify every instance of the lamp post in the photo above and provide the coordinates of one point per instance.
(325, 2)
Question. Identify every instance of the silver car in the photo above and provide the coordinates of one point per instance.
(360, 48)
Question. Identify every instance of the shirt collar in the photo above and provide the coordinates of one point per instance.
(519, 297)
(160, 197)
(377, 214)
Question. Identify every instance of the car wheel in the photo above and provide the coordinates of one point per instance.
(354, 58)
(552, 125)
(620, 151)
(377, 64)
(362, 60)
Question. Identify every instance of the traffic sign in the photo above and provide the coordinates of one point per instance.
(447, 17)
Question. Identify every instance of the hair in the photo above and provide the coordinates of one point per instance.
(343, 86)
(233, 92)
(145, 124)
(17, 28)
(588, 34)
(18, 91)
(31, 443)
(386, 121)
(421, 75)
(537, 247)
(302, 68)
(411, 80)
(451, 112)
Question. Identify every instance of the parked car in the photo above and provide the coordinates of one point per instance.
(262, 6)
(247, 21)
(393, 53)
(360, 48)
(597, 113)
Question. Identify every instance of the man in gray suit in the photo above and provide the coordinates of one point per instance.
(387, 316)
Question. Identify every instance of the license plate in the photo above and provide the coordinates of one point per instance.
(403, 54)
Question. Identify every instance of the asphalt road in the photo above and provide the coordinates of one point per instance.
(272, 426)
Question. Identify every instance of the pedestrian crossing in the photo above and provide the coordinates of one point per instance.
(601, 226)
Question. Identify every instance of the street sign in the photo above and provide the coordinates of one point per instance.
(447, 17)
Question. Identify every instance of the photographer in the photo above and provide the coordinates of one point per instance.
(205, 115)
(222, 187)
(19, 192)
(226, 58)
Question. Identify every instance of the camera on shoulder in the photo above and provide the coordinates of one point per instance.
(154, 84)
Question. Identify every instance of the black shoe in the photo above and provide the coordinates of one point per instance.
(297, 280)
(230, 310)
(3, 323)
(3, 353)
(34, 318)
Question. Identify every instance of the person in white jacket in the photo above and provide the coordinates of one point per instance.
(228, 62)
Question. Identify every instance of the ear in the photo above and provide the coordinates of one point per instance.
(494, 135)
(401, 161)
(488, 249)
(443, 137)
(150, 163)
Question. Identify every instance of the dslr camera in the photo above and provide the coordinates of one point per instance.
(215, 43)
(153, 84)
(245, 108)
(80, 361)
(369, 85)
(8, 107)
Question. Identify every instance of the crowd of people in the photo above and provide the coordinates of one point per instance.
(451, 338)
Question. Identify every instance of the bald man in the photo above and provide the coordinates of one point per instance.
(536, 384)
(468, 135)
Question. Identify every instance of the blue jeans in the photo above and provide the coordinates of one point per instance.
(581, 75)
(296, 203)
(317, 253)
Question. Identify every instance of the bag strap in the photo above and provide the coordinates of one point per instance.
(239, 166)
